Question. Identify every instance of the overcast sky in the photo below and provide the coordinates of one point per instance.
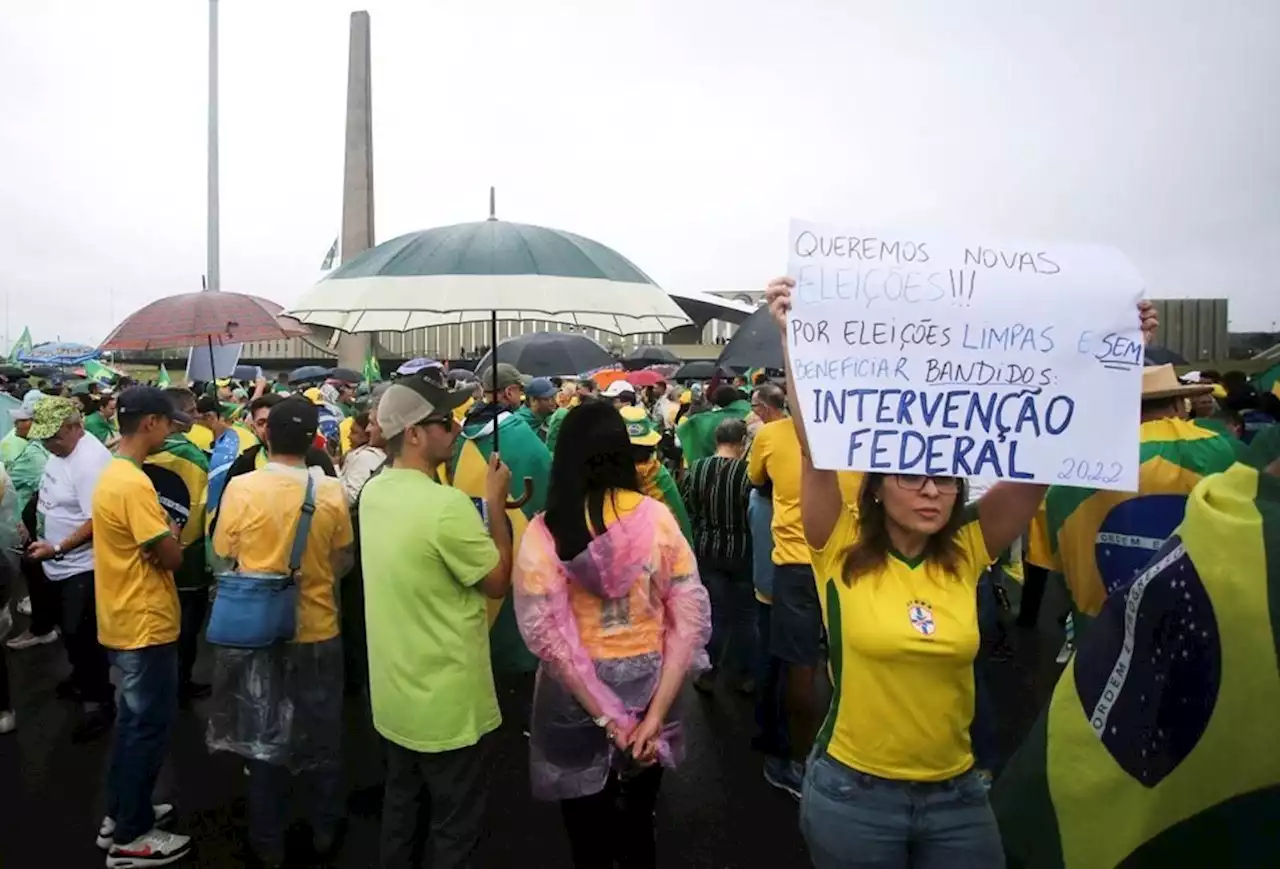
(683, 134)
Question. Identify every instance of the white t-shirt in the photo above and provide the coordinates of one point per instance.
(66, 503)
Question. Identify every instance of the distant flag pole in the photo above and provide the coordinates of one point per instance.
(162, 379)
(330, 256)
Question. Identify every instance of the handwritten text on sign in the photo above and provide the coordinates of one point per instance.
(920, 354)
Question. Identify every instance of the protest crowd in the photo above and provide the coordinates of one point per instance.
(388, 547)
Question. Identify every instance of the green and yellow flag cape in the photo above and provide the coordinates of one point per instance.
(1159, 746)
(526, 455)
(697, 433)
(180, 473)
(1101, 539)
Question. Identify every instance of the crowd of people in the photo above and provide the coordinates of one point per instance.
(397, 545)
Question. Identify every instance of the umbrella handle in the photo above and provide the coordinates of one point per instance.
(524, 498)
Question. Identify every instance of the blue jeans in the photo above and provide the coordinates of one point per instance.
(148, 704)
(733, 616)
(852, 820)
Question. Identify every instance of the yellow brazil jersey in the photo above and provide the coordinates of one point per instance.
(257, 520)
(775, 458)
(344, 434)
(137, 601)
(903, 641)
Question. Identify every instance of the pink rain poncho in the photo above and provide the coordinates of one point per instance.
(606, 622)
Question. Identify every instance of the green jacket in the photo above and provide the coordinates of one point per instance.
(539, 424)
(24, 460)
(553, 427)
(675, 503)
(697, 433)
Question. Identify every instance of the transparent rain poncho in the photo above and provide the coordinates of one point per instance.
(606, 622)
(281, 704)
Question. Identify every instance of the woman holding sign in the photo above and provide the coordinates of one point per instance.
(890, 782)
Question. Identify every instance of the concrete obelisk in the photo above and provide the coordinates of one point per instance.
(357, 176)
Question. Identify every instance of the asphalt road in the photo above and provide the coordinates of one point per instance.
(715, 812)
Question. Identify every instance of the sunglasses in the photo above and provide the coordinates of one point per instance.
(915, 483)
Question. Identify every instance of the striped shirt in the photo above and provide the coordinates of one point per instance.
(716, 492)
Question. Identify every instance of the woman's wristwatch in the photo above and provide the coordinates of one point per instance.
(603, 721)
(57, 552)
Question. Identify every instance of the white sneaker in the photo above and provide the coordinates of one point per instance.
(164, 817)
(8, 723)
(156, 848)
(26, 640)
(24, 606)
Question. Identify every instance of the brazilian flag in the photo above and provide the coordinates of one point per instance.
(527, 456)
(1269, 380)
(1101, 539)
(180, 473)
(1159, 747)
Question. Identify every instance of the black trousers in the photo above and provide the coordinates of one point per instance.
(433, 800)
(195, 605)
(46, 613)
(90, 672)
(615, 827)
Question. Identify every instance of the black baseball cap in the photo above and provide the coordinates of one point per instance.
(149, 401)
(293, 415)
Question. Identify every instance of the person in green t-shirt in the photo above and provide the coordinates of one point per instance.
(99, 417)
(540, 397)
(430, 677)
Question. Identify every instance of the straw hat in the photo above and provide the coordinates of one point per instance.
(1160, 381)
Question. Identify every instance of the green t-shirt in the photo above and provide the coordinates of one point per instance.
(423, 548)
(99, 426)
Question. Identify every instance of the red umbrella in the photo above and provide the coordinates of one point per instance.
(204, 318)
(648, 377)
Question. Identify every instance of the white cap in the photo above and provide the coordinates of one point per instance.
(618, 387)
(27, 410)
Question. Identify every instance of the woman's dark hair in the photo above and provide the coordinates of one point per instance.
(592, 459)
(88, 404)
(725, 395)
(871, 550)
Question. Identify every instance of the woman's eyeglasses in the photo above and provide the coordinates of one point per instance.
(914, 483)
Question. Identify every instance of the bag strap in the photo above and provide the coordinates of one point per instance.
(304, 527)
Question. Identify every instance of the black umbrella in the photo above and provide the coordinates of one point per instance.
(699, 369)
(12, 372)
(308, 373)
(756, 344)
(549, 354)
(462, 375)
(649, 354)
(1163, 356)
(247, 373)
(346, 375)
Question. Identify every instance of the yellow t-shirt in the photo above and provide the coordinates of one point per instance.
(344, 434)
(775, 456)
(256, 524)
(137, 601)
(201, 437)
(903, 642)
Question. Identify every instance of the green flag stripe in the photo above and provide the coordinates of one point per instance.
(835, 644)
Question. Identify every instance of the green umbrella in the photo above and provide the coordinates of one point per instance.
(490, 270)
(472, 272)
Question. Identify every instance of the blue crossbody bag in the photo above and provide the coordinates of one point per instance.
(256, 610)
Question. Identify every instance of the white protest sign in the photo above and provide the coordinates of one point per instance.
(982, 358)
